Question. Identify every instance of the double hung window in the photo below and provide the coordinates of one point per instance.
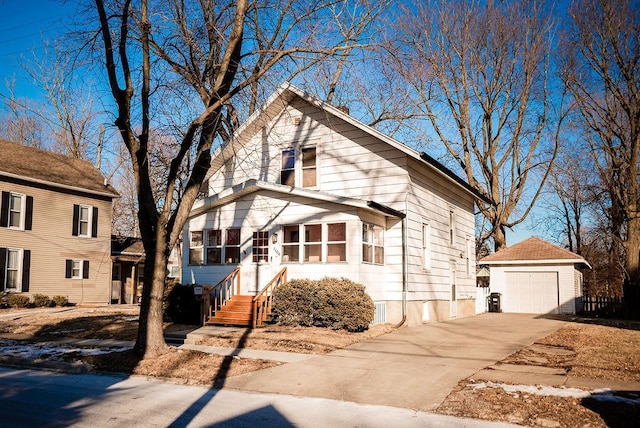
(372, 244)
(299, 167)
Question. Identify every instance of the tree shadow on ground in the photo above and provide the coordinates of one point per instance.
(608, 322)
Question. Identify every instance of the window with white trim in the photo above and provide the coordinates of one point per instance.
(195, 247)
(232, 246)
(13, 269)
(372, 243)
(314, 243)
(336, 242)
(85, 221)
(77, 269)
(15, 266)
(291, 243)
(16, 211)
(299, 167)
(214, 247)
(426, 246)
(260, 247)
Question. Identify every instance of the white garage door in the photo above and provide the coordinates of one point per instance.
(530, 292)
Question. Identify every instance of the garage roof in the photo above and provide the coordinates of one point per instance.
(533, 251)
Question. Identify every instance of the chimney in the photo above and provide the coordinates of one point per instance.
(344, 109)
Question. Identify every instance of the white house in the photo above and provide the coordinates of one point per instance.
(535, 276)
(303, 185)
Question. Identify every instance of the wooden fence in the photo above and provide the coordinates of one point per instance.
(603, 306)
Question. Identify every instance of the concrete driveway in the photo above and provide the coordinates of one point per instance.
(413, 367)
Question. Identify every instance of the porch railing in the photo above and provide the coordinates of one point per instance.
(263, 301)
(214, 297)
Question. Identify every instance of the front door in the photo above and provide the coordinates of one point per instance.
(453, 296)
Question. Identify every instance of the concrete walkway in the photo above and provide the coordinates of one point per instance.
(413, 367)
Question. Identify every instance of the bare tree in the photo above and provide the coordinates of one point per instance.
(600, 69)
(214, 52)
(20, 124)
(480, 71)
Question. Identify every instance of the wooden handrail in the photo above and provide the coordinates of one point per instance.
(215, 296)
(263, 301)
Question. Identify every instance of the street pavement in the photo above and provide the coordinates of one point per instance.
(47, 399)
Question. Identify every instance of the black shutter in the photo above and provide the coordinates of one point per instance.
(94, 222)
(28, 219)
(4, 210)
(68, 267)
(85, 269)
(26, 264)
(76, 217)
(3, 266)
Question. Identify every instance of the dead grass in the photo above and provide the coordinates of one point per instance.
(304, 340)
(610, 351)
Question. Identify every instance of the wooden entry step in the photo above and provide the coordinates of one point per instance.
(236, 311)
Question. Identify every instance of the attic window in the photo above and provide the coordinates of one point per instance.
(299, 167)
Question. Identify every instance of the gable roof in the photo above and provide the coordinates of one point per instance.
(236, 192)
(532, 251)
(40, 166)
(285, 94)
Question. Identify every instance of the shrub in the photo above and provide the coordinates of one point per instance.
(18, 300)
(60, 300)
(41, 300)
(336, 303)
(182, 306)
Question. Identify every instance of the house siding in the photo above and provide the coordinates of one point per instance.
(354, 164)
(51, 243)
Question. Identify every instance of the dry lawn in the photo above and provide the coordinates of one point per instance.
(608, 351)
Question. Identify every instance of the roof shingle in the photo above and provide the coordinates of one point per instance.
(40, 165)
(531, 249)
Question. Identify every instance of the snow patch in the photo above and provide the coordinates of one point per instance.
(51, 351)
(549, 391)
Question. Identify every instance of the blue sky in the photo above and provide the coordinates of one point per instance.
(25, 24)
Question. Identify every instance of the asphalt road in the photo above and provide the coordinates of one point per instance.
(47, 399)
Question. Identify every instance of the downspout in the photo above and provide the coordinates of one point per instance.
(405, 267)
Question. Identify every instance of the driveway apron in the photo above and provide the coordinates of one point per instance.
(413, 367)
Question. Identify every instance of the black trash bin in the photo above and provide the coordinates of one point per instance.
(494, 302)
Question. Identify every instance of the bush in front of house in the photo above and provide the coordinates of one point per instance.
(182, 306)
(336, 303)
(41, 300)
(18, 300)
(60, 300)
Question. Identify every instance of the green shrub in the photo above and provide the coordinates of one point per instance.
(41, 300)
(60, 300)
(336, 303)
(18, 300)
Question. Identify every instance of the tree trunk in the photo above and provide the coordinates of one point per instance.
(499, 238)
(632, 267)
(150, 341)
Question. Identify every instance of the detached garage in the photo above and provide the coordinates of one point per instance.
(536, 277)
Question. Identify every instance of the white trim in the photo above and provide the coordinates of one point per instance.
(80, 269)
(20, 259)
(89, 220)
(535, 262)
(23, 211)
(232, 194)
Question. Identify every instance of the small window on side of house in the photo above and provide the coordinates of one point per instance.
(195, 247)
